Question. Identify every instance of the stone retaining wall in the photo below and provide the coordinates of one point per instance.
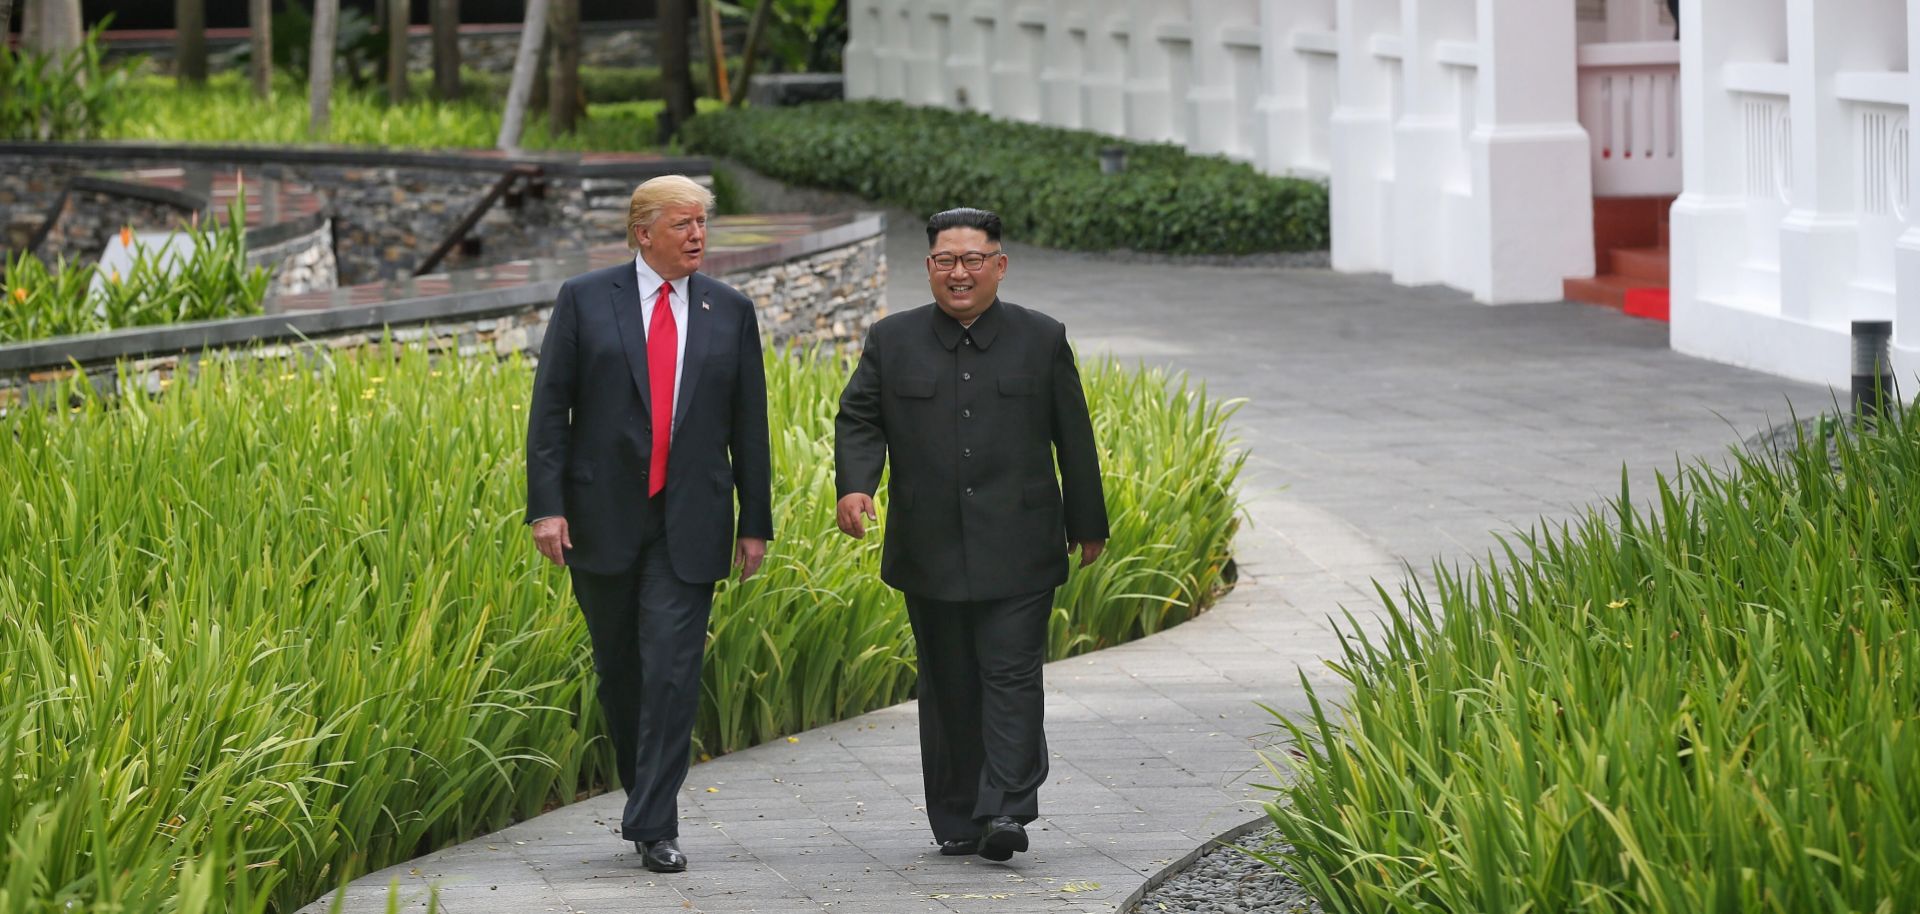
(301, 264)
(388, 216)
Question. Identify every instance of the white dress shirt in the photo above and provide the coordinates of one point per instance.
(677, 300)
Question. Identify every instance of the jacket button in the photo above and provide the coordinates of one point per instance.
(966, 376)
(966, 414)
(969, 491)
(966, 452)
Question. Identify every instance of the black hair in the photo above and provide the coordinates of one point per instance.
(965, 217)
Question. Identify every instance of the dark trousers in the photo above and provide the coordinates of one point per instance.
(648, 629)
(983, 752)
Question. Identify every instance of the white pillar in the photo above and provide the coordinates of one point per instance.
(1906, 254)
(863, 27)
(1818, 236)
(967, 63)
(1226, 76)
(1532, 177)
(1063, 100)
(1109, 40)
(890, 51)
(1150, 79)
(1428, 152)
(1297, 86)
(1361, 216)
(925, 54)
(1014, 59)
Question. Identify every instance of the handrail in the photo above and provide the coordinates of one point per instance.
(513, 173)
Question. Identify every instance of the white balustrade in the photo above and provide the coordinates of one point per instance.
(1629, 104)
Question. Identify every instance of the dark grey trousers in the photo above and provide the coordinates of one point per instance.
(648, 629)
(983, 751)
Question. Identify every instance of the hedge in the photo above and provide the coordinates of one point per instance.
(1045, 182)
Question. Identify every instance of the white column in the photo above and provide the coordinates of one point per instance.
(967, 74)
(889, 51)
(1298, 77)
(1906, 253)
(863, 25)
(1532, 178)
(1818, 236)
(1109, 40)
(1361, 215)
(1226, 75)
(1063, 100)
(1427, 151)
(1014, 59)
(925, 55)
(1149, 77)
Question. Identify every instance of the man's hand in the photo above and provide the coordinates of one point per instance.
(851, 509)
(1089, 550)
(550, 536)
(748, 552)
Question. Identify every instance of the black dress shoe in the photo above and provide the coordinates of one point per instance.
(662, 856)
(964, 847)
(1004, 837)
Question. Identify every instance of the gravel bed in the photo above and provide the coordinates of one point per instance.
(1226, 880)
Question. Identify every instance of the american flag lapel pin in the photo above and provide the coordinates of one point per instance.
(705, 307)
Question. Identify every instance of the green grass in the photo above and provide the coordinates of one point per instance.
(1706, 704)
(225, 111)
(280, 626)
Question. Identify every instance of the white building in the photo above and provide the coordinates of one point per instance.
(1505, 147)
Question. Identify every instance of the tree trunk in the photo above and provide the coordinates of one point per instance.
(756, 29)
(326, 22)
(260, 41)
(676, 77)
(399, 17)
(190, 41)
(51, 27)
(714, 48)
(446, 49)
(525, 61)
(563, 95)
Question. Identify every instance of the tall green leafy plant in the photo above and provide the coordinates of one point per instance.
(160, 286)
(48, 98)
(1704, 701)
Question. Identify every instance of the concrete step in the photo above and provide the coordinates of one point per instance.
(1649, 264)
(1606, 289)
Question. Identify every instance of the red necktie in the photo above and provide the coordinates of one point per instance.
(663, 348)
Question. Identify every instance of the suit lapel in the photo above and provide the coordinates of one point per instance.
(699, 335)
(625, 297)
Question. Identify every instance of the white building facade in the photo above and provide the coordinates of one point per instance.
(1466, 141)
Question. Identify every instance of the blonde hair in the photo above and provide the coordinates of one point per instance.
(655, 195)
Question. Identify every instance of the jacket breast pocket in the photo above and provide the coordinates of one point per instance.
(1017, 385)
(915, 388)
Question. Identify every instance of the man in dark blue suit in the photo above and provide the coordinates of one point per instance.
(649, 417)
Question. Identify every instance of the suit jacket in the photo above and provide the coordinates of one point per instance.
(973, 420)
(590, 431)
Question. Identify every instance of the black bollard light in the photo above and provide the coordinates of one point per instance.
(1113, 160)
(1872, 368)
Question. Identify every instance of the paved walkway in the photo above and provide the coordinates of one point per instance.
(1386, 425)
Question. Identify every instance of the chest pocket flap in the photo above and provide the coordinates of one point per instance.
(913, 387)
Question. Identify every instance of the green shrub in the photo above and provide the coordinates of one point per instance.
(285, 624)
(213, 281)
(599, 84)
(1705, 704)
(57, 99)
(1043, 181)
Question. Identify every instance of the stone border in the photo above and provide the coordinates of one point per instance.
(1131, 903)
(61, 352)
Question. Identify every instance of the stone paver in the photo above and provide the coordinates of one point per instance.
(1386, 426)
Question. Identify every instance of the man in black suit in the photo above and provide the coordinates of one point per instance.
(649, 415)
(974, 399)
